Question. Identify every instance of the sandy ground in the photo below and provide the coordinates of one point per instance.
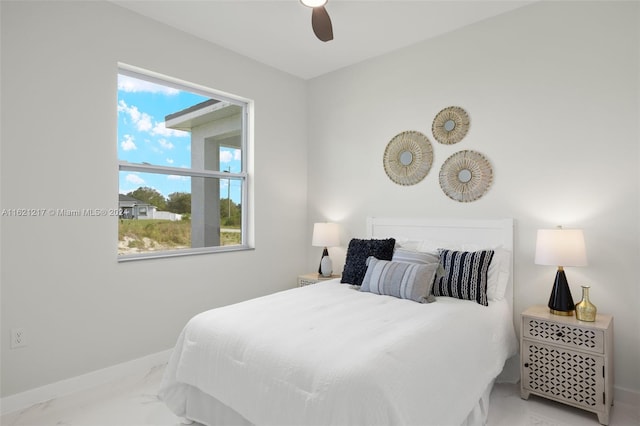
(149, 245)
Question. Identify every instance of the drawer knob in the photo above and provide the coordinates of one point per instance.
(526, 365)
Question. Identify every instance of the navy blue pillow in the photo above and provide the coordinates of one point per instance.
(359, 250)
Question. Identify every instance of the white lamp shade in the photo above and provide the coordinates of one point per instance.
(325, 235)
(313, 3)
(561, 247)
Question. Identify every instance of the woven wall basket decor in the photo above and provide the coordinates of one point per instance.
(450, 125)
(408, 158)
(466, 176)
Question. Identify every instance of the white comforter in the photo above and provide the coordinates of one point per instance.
(327, 354)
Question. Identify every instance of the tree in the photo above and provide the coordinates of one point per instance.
(230, 213)
(149, 195)
(179, 202)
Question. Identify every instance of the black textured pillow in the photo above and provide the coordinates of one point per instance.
(465, 275)
(359, 250)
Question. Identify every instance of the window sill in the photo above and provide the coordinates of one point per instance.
(182, 252)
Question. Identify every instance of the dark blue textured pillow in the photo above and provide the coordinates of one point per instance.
(465, 275)
(359, 250)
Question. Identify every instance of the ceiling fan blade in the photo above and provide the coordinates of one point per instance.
(321, 24)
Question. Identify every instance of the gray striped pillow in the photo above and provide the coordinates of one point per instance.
(412, 256)
(465, 275)
(404, 280)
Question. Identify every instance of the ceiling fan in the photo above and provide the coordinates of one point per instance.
(320, 21)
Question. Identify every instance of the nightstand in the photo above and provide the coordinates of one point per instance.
(307, 279)
(567, 360)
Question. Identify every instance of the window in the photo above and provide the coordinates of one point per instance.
(182, 152)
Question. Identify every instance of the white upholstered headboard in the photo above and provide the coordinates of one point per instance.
(484, 233)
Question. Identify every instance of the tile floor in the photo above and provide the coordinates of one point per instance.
(133, 402)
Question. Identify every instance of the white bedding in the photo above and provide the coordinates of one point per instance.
(327, 354)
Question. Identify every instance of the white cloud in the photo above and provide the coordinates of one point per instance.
(132, 85)
(160, 129)
(169, 160)
(141, 120)
(227, 156)
(165, 144)
(145, 123)
(135, 179)
(127, 144)
(123, 107)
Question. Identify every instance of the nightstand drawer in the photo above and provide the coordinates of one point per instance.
(583, 338)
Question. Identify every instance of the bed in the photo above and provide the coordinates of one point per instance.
(331, 354)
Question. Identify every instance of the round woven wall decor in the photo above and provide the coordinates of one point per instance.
(466, 176)
(408, 158)
(450, 125)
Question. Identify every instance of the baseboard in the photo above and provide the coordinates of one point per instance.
(28, 398)
(626, 396)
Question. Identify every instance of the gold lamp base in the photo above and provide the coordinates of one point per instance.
(564, 313)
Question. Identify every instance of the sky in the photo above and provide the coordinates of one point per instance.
(143, 138)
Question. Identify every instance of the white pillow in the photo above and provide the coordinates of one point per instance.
(433, 247)
(407, 244)
(498, 275)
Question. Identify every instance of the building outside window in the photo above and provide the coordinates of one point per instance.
(183, 178)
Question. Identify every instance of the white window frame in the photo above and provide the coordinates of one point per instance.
(244, 176)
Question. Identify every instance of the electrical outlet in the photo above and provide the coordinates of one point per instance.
(18, 338)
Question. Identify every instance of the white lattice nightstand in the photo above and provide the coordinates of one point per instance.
(307, 279)
(567, 360)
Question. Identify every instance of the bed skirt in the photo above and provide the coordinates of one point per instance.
(207, 410)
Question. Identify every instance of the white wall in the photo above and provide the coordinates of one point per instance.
(81, 310)
(552, 90)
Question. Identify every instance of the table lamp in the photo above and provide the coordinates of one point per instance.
(561, 247)
(325, 235)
